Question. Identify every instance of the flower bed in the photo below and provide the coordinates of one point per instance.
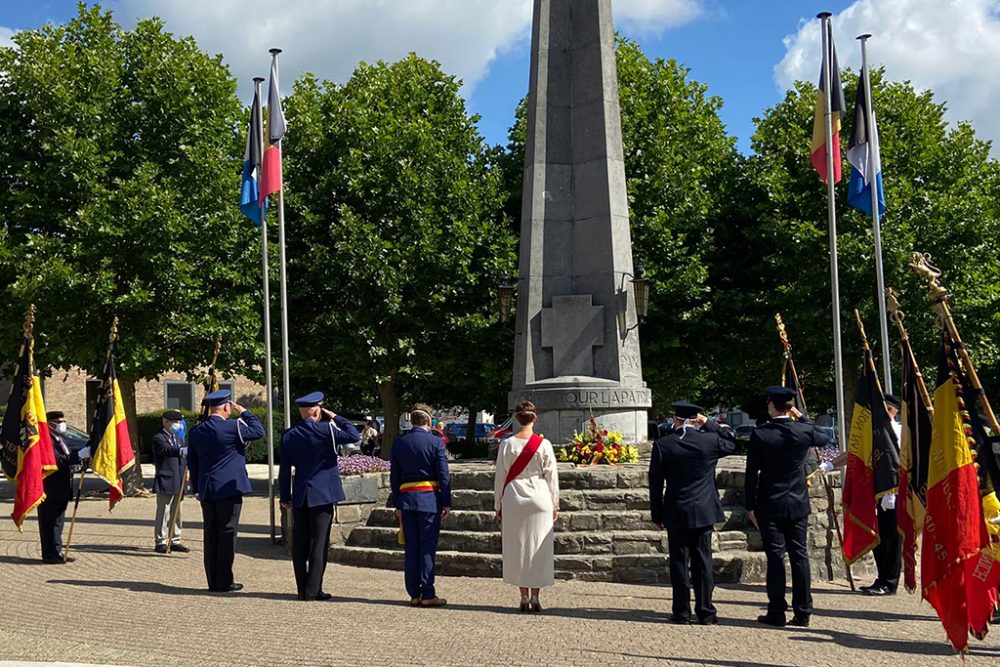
(597, 446)
(359, 464)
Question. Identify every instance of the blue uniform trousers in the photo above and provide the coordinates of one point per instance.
(420, 533)
(781, 536)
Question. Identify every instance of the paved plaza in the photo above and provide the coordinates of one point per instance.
(122, 604)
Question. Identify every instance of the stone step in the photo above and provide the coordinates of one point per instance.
(730, 566)
(481, 477)
(604, 543)
(574, 500)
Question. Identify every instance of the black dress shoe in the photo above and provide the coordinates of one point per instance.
(161, 548)
(768, 619)
(711, 619)
(677, 619)
(232, 588)
(53, 561)
(879, 591)
(799, 621)
(180, 548)
(322, 597)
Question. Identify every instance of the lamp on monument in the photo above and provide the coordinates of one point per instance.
(640, 284)
(506, 295)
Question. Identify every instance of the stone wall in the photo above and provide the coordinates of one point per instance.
(364, 494)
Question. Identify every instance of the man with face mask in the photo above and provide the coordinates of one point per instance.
(58, 491)
(168, 459)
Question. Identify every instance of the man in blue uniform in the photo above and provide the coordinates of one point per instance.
(169, 453)
(58, 491)
(421, 494)
(218, 465)
(311, 448)
(777, 502)
(684, 462)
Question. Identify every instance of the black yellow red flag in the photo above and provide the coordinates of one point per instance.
(914, 453)
(110, 443)
(872, 464)
(27, 456)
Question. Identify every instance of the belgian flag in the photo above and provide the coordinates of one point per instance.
(914, 454)
(959, 565)
(110, 443)
(872, 464)
(27, 445)
(818, 150)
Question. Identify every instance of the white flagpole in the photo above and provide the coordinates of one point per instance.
(838, 364)
(286, 383)
(883, 316)
(267, 311)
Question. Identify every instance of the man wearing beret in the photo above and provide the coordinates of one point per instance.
(169, 455)
(310, 447)
(218, 465)
(684, 499)
(777, 502)
(58, 491)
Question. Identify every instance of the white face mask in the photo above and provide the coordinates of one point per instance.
(61, 427)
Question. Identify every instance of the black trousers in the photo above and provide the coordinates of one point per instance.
(779, 537)
(310, 547)
(221, 518)
(889, 551)
(692, 545)
(51, 516)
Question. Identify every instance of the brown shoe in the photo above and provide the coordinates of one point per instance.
(433, 602)
(414, 602)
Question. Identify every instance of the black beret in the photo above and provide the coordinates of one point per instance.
(686, 410)
(173, 415)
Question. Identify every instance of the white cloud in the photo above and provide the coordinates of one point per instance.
(329, 37)
(5, 36)
(948, 46)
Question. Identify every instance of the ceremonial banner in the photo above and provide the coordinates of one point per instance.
(837, 108)
(959, 572)
(872, 464)
(865, 157)
(270, 180)
(110, 444)
(249, 197)
(27, 446)
(914, 453)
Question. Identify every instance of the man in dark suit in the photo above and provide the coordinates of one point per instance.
(683, 461)
(218, 465)
(777, 502)
(311, 448)
(421, 494)
(169, 455)
(58, 491)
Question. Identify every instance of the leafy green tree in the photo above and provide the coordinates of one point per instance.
(395, 234)
(119, 174)
(772, 252)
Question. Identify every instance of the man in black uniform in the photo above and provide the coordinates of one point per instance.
(168, 459)
(777, 502)
(58, 491)
(684, 460)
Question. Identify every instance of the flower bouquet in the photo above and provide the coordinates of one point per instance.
(597, 445)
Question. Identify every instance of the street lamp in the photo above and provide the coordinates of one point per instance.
(640, 287)
(506, 296)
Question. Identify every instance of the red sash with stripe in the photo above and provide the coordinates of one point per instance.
(522, 460)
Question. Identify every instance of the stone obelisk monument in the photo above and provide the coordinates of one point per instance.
(577, 349)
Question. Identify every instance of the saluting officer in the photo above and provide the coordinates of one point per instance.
(218, 465)
(683, 461)
(421, 494)
(777, 502)
(311, 448)
(169, 453)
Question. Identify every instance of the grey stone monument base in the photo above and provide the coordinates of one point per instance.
(566, 403)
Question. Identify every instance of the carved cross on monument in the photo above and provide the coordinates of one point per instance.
(573, 327)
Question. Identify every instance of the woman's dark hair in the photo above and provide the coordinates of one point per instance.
(525, 413)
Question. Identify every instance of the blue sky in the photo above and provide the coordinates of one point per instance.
(746, 51)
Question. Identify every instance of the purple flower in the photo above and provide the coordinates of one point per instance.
(359, 464)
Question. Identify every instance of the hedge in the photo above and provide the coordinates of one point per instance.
(152, 423)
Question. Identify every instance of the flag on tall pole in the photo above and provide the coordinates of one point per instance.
(27, 445)
(864, 154)
(819, 153)
(250, 199)
(271, 177)
(110, 442)
(872, 461)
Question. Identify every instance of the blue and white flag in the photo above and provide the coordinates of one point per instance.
(866, 163)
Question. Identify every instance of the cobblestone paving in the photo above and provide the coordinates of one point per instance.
(122, 604)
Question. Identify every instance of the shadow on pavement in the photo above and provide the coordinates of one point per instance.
(21, 560)
(166, 589)
(714, 662)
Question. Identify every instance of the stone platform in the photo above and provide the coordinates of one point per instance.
(603, 532)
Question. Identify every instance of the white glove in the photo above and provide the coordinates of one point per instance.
(84, 453)
(889, 501)
(184, 451)
(825, 467)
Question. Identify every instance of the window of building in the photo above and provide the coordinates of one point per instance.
(231, 386)
(178, 395)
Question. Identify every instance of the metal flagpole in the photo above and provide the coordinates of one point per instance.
(285, 382)
(838, 369)
(872, 136)
(259, 129)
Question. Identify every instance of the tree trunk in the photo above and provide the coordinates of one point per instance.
(390, 410)
(132, 479)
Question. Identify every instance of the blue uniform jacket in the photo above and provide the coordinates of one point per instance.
(217, 455)
(419, 456)
(311, 448)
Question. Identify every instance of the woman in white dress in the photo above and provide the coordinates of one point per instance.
(526, 500)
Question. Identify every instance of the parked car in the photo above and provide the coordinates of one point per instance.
(743, 432)
(456, 431)
(76, 440)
